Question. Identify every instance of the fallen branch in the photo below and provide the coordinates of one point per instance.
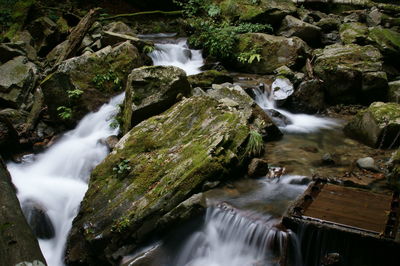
(177, 12)
(77, 34)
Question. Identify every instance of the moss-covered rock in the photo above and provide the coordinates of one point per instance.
(353, 32)
(387, 41)
(309, 33)
(207, 78)
(338, 64)
(97, 75)
(18, 78)
(394, 171)
(394, 91)
(264, 11)
(274, 52)
(150, 91)
(377, 126)
(17, 242)
(160, 163)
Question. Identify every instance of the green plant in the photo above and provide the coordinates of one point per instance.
(100, 80)
(64, 112)
(255, 144)
(248, 57)
(148, 49)
(114, 123)
(76, 93)
(122, 167)
(213, 10)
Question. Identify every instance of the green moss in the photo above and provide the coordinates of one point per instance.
(385, 112)
(387, 40)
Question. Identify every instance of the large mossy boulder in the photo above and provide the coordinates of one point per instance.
(353, 32)
(150, 91)
(263, 11)
(17, 79)
(207, 78)
(274, 51)
(309, 33)
(17, 242)
(159, 164)
(351, 73)
(378, 126)
(85, 82)
(387, 41)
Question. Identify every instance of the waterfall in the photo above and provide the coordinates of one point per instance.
(56, 180)
(177, 53)
(238, 238)
(297, 123)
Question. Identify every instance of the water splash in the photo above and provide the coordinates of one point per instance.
(298, 123)
(237, 238)
(57, 179)
(177, 53)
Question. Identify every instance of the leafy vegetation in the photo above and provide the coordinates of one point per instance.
(76, 93)
(255, 144)
(122, 168)
(64, 112)
(110, 78)
(148, 49)
(249, 56)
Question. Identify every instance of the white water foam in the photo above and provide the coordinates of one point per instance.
(178, 54)
(56, 180)
(299, 123)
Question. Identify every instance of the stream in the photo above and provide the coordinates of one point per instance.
(240, 227)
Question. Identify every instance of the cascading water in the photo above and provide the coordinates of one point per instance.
(56, 180)
(176, 53)
(298, 123)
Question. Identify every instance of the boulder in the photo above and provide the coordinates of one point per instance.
(354, 32)
(119, 27)
(8, 51)
(24, 40)
(394, 91)
(94, 76)
(38, 220)
(387, 41)
(150, 91)
(112, 38)
(374, 18)
(367, 163)
(309, 33)
(207, 78)
(336, 65)
(378, 126)
(329, 24)
(309, 97)
(17, 242)
(163, 161)
(18, 78)
(45, 33)
(257, 168)
(263, 11)
(274, 51)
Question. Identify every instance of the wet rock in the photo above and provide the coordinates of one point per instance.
(18, 78)
(377, 126)
(38, 220)
(387, 41)
(308, 98)
(171, 156)
(394, 91)
(336, 64)
(331, 259)
(264, 11)
(281, 89)
(110, 142)
(279, 119)
(96, 76)
(327, 159)
(329, 24)
(9, 140)
(309, 33)
(354, 32)
(275, 51)
(119, 27)
(257, 168)
(300, 181)
(17, 241)
(367, 163)
(150, 91)
(209, 77)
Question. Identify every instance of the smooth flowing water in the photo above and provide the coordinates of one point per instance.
(56, 180)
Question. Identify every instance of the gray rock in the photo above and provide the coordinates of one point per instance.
(8, 51)
(394, 91)
(18, 78)
(281, 89)
(337, 64)
(354, 32)
(328, 159)
(292, 26)
(150, 91)
(257, 168)
(308, 98)
(374, 18)
(329, 24)
(119, 27)
(112, 38)
(46, 35)
(38, 220)
(367, 163)
(377, 126)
